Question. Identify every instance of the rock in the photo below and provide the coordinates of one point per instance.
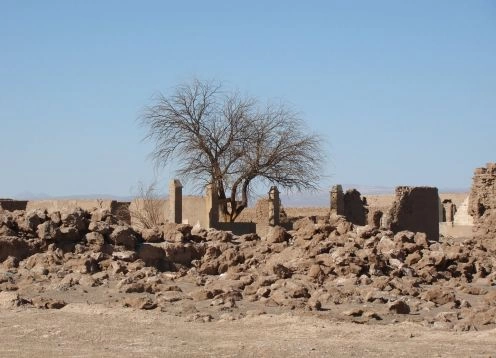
(67, 234)
(123, 235)
(11, 262)
(249, 237)
(421, 239)
(77, 218)
(152, 235)
(217, 235)
(12, 300)
(143, 303)
(15, 247)
(176, 232)
(354, 312)
(399, 307)
(128, 256)
(152, 254)
(276, 234)
(55, 218)
(100, 215)
(170, 296)
(33, 219)
(46, 230)
(282, 271)
(100, 227)
(201, 294)
(95, 240)
(180, 253)
(372, 315)
(48, 303)
(439, 295)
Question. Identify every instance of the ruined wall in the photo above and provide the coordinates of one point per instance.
(193, 209)
(448, 210)
(64, 205)
(416, 209)
(355, 209)
(118, 208)
(482, 202)
(12, 205)
(462, 216)
(337, 200)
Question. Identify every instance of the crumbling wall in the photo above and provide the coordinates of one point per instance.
(12, 205)
(415, 209)
(355, 207)
(482, 203)
(448, 210)
(337, 200)
(69, 205)
(462, 216)
(374, 218)
(193, 209)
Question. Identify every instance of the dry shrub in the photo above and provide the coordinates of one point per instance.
(147, 208)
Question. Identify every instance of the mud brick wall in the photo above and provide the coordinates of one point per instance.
(482, 202)
(12, 205)
(416, 209)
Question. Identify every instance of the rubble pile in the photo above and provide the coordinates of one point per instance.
(324, 266)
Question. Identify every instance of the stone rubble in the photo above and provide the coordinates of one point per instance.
(324, 266)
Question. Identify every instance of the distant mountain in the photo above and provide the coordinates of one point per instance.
(317, 199)
(27, 195)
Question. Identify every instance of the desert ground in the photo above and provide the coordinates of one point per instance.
(82, 330)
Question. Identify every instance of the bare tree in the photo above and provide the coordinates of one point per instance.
(232, 141)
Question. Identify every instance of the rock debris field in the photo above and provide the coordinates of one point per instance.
(84, 283)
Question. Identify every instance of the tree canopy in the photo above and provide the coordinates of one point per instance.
(223, 138)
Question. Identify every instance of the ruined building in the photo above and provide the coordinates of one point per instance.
(415, 209)
(350, 205)
(482, 202)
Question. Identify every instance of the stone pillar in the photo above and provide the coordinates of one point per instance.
(211, 207)
(337, 200)
(175, 201)
(449, 210)
(274, 206)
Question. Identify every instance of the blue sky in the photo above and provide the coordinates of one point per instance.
(404, 92)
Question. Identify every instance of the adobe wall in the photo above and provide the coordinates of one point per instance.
(415, 209)
(193, 210)
(12, 205)
(462, 216)
(482, 202)
(65, 205)
(118, 208)
(355, 208)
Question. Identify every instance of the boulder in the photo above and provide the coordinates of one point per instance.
(276, 234)
(124, 235)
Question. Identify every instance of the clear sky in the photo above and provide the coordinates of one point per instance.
(403, 91)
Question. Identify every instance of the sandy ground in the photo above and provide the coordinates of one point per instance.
(80, 330)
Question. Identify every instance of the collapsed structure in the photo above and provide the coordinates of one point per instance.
(417, 209)
(315, 266)
(482, 203)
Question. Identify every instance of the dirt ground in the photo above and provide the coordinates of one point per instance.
(80, 330)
